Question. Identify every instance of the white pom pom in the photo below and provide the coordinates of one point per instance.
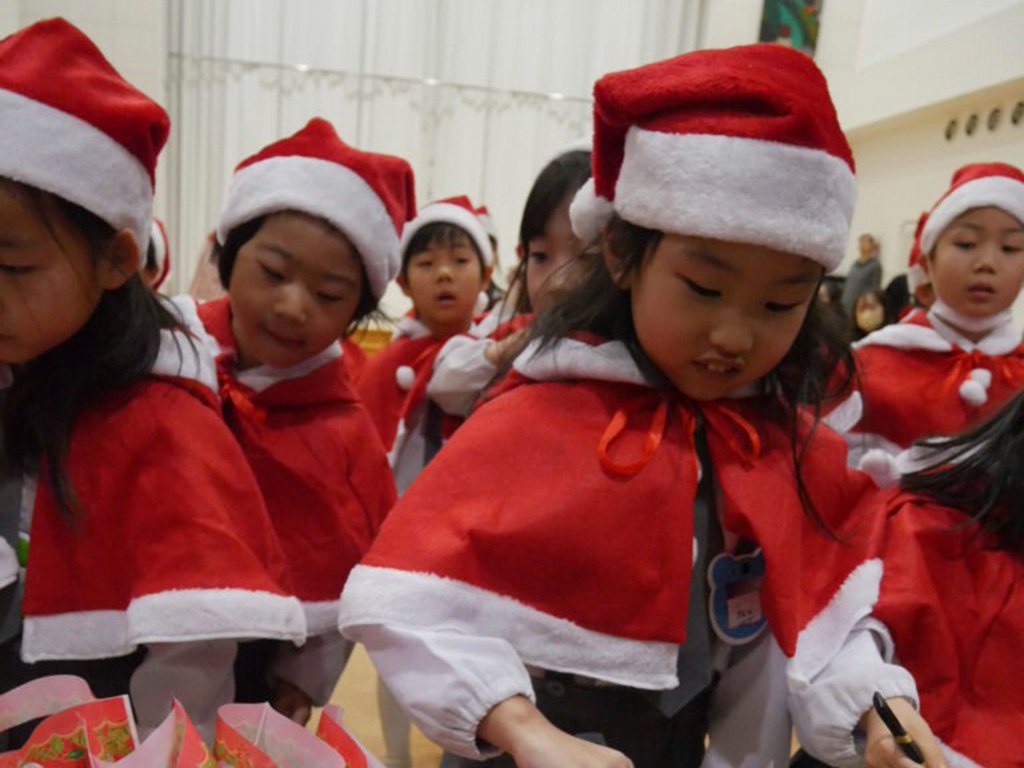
(405, 376)
(589, 213)
(881, 467)
(983, 376)
(482, 300)
(973, 393)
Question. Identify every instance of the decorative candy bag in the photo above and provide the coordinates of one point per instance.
(174, 744)
(333, 733)
(256, 736)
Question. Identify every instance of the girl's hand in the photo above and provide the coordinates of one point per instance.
(292, 702)
(517, 727)
(506, 350)
(882, 751)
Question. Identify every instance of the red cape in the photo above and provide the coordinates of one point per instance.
(956, 612)
(912, 392)
(173, 544)
(583, 567)
(320, 465)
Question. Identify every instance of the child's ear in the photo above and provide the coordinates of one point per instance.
(621, 277)
(926, 264)
(485, 277)
(403, 284)
(120, 262)
(520, 253)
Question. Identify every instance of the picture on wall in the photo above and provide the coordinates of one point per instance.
(791, 22)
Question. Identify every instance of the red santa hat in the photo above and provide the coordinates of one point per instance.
(975, 186)
(161, 252)
(740, 144)
(487, 221)
(73, 127)
(369, 197)
(452, 210)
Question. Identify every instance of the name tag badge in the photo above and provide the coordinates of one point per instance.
(735, 601)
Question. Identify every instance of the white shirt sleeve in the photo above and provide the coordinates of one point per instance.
(446, 681)
(461, 372)
(827, 709)
(313, 668)
(200, 675)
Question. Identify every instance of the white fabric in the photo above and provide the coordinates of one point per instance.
(57, 152)
(998, 191)
(1000, 338)
(461, 372)
(827, 707)
(476, 96)
(265, 376)
(573, 359)
(794, 199)
(9, 568)
(199, 675)
(315, 667)
(192, 357)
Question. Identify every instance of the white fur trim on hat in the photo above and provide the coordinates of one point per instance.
(57, 152)
(998, 191)
(320, 188)
(789, 198)
(449, 213)
(589, 212)
(375, 595)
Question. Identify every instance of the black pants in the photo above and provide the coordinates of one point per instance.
(626, 719)
(106, 677)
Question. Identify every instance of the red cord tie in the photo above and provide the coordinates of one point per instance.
(232, 392)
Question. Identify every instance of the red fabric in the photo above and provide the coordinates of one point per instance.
(387, 402)
(607, 543)
(956, 612)
(389, 177)
(85, 85)
(318, 461)
(909, 394)
(354, 360)
(763, 92)
(169, 503)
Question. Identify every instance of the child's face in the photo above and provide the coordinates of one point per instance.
(50, 283)
(715, 316)
(551, 268)
(443, 283)
(977, 265)
(294, 289)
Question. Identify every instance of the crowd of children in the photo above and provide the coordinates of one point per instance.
(650, 510)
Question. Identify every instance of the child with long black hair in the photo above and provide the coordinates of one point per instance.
(654, 452)
(145, 548)
(550, 262)
(953, 560)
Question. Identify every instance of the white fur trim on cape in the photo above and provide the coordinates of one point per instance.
(825, 634)
(906, 336)
(57, 152)
(180, 615)
(449, 213)
(847, 414)
(786, 197)
(320, 188)
(264, 376)
(411, 328)
(385, 596)
(321, 617)
(187, 357)
(589, 213)
(998, 191)
(573, 359)
(1001, 337)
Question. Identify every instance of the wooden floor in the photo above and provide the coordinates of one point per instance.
(357, 694)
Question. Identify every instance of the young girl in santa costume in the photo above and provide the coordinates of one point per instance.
(446, 262)
(306, 244)
(549, 264)
(950, 596)
(941, 372)
(652, 454)
(145, 547)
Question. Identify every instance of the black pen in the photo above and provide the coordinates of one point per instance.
(903, 739)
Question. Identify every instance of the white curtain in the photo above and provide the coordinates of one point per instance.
(476, 94)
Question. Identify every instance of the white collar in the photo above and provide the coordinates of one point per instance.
(264, 376)
(1000, 336)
